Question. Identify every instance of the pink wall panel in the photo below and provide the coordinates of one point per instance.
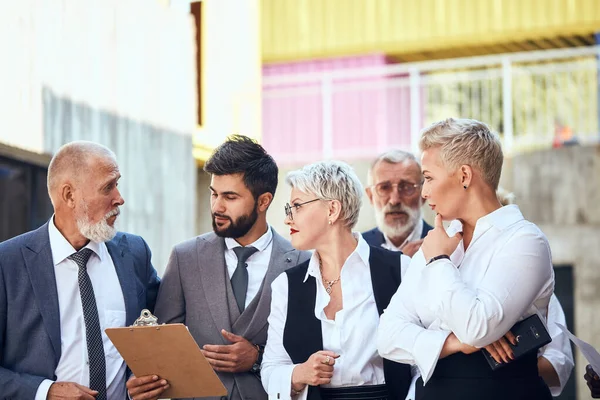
(369, 115)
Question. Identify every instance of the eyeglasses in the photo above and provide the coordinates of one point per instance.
(405, 189)
(288, 208)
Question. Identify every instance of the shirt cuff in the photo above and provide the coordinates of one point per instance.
(428, 347)
(303, 395)
(560, 364)
(280, 383)
(43, 389)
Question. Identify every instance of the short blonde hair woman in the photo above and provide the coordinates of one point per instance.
(468, 286)
(325, 312)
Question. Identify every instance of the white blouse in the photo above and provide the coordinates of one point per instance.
(350, 335)
(504, 276)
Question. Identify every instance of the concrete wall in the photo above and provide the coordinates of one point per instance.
(203, 222)
(559, 190)
(103, 71)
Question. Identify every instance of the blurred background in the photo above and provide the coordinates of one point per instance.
(163, 82)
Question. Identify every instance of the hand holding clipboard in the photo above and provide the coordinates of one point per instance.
(170, 352)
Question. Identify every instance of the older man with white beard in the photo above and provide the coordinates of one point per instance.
(64, 283)
(394, 190)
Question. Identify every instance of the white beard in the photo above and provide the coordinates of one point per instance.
(398, 230)
(100, 231)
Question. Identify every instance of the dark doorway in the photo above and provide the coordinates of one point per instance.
(24, 201)
(563, 288)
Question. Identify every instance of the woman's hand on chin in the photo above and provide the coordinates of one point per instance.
(437, 242)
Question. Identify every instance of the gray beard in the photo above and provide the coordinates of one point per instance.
(100, 231)
(398, 230)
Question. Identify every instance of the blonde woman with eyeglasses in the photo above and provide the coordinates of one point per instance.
(325, 312)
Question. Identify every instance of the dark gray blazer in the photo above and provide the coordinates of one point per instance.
(30, 333)
(195, 290)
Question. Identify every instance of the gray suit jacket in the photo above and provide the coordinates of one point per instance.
(30, 345)
(195, 290)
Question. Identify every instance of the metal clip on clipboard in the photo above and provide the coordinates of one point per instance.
(146, 319)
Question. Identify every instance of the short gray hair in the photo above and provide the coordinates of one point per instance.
(71, 160)
(394, 156)
(466, 141)
(331, 180)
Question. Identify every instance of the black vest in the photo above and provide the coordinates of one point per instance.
(468, 376)
(302, 335)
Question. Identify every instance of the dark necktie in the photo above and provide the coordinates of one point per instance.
(93, 334)
(239, 280)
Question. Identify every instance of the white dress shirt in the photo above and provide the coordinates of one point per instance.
(504, 276)
(73, 365)
(414, 235)
(350, 335)
(558, 351)
(258, 263)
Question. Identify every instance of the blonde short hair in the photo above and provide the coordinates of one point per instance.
(466, 142)
(331, 180)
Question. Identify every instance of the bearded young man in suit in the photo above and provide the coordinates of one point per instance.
(394, 191)
(62, 284)
(219, 283)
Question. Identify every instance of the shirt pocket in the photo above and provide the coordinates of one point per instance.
(113, 319)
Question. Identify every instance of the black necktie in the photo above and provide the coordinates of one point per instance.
(92, 325)
(239, 280)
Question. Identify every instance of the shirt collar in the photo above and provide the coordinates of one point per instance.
(414, 235)
(261, 243)
(362, 251)
(504, 217)
(500, 219)
(60, 246)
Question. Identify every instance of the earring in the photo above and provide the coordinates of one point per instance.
(465, 187)
(330, 222)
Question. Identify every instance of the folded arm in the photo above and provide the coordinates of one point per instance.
(401, 336)
(514, 278)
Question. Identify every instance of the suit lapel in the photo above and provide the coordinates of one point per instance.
(379, 238)
(255, 315)
(40, 266)
(426, 229)
(118, 248)
(211, 261)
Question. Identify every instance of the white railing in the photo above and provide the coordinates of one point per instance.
(532, 99)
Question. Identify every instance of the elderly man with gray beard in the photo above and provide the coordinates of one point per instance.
(394, 190)
(64, 283)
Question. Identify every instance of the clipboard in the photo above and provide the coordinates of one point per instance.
(170, 352)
